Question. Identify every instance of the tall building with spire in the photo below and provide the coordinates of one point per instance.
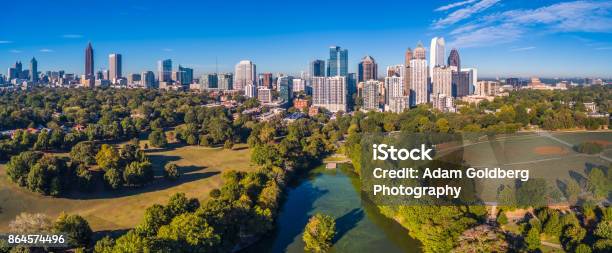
(418, 77)
(337, 64)
(89, 61)
(437, 53)
(367, 69)
(33, 70)
(453, 60)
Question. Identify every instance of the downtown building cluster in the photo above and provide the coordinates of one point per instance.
(439, 81)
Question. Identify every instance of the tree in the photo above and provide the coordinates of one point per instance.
(597, 183)
(49, 176)
(104, 245)
(85, 180)
(171, 171)
(155, 216)
(583, 248)
(157, 138)
(138, 173)
(113, 178)
(532, 240)
(192, 233)
(572, 190)
(84, 152)
(107, 157)
(553, 226)
(502, 219)
(319, 233)
(19, 166)
(179, 204)
(30, 223)
(482, 238)
(75, 227)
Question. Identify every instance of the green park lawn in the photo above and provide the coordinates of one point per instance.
(123, 209)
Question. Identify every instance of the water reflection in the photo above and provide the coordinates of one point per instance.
(360, 227)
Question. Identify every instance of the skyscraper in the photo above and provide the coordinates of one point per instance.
(419, 52)
(285, 85)
(185, 75)
(436, 53)
(407, 57)
(337, 64)
(164, 70)
(33, 70)
(245, 73)
(89, 61)
(114, 61)
(370, 95)
(330, 93)
(225, 81)
(441, 79)
(250, 90)
(317, 68)
(267, 80)
(367, 69)
(453, 60)
(418, 77)
(147, 79)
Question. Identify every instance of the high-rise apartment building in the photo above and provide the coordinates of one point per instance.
(164, 70)
(436, 53)
(442, 79)
(114, 69)
(244, 73)
(317, 68)
(250, 90)
(337, 64)
(371, 101)
(264, 94)
(330, 93)
(89, 61)
(367, 69)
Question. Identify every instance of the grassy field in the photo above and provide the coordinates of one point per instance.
(124, 209)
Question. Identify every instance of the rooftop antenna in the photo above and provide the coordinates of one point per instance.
(216, 66)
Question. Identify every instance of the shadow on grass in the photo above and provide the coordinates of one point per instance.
(158, 184)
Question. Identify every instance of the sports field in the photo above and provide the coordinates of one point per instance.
(546, 155)
(124, 209)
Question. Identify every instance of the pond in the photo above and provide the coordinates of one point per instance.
(359, 225)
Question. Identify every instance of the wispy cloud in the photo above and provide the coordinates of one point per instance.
(5, 42)
(511, 25)
(15, 51)
(603, 48)
(46, 50)
(518, 49)
(72, 36)
(463, 13)
(167, 49)
(454, 5)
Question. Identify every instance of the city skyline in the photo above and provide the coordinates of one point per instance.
(549, 46)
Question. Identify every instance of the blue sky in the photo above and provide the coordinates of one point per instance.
(500, 38)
